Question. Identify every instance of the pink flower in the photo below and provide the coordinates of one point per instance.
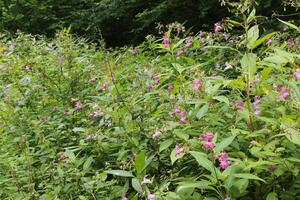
(93, 79)
(223, 156)
(217, 27)
(180, 52)
(227, 197)
(151, 197)
(53, 109)
(284, 94)
(170, 87)
(182, 114)
(182, 29)
(134, 50)
(157, 133)
(290, 43)
(78, 105)
(238, 105)
(105, 86)
(183, 120)
(146, 180)
(155, 78)
(124, 196)
(66, 111)
(224, 164)
(257, 112)
(269, 41)
(197, 84)
(178, 150)
(297, 74)
(257, 101)
(223, 159)
(176, 110)
(89, 137)
(46, 119)
(166, 42)
(208, 137)
(272, 167)
(208, 145)
(188, 42)
(256, 78)
(149, 87)
(5, 99)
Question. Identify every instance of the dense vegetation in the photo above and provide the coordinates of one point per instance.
(122, 22)
(212, 115)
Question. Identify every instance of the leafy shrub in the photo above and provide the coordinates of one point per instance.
(205, 116)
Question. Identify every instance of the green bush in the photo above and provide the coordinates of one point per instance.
(205, 116)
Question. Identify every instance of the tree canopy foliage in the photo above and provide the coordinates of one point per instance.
(119, 22)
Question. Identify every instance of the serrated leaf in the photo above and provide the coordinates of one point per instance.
(222, 99)
(180, 134)
(224, 143)
(248, 63)
(204, 184)
(203, 161)
(136, 185)
(140, 162)
(88, 163)
(293, 135)
(165, 144)
(203, 110)
(120, 173)
(252, 36)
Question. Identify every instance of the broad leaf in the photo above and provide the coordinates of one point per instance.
(120, 173)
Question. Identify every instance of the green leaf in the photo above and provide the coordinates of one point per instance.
(181, 135)
(293, 135)
(140, 162)
(165, 144)
(78, 129)
(262, 39)
(272, 196)
(70, 154)
(222, 99)
(88, 163)
(136, 185)
(224, 143)
(120, 173)
(290, 25)
(251, 16)
(199, 184)
(203, 161)
(248, 176)
(248, 63)
(173, 156)
(203, 110)
(252, 36)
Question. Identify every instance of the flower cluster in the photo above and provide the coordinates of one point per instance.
(208, 141)
(178, 150)
(257, 101)
(166, 41)
(182, 114)
(223, 160)
(297, 74)
(283, 92)
(197, 84)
